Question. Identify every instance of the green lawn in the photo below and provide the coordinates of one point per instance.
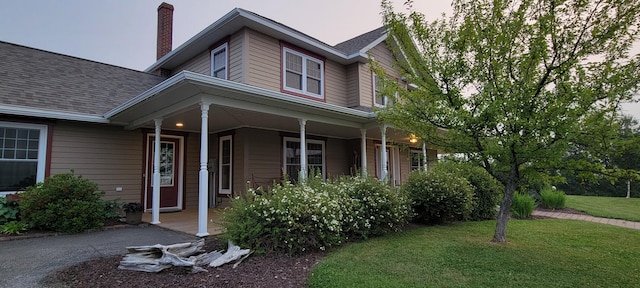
(540, 253)
(607, 207)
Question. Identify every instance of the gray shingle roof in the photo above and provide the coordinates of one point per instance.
(356, 44)
(40, 79)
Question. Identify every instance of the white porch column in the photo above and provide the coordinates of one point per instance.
(303, 148)
(424, 156)
(363, 152)
(155, 202)
(203, 184)
(383, 152)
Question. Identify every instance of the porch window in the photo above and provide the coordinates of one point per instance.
(417, 160)
(315, 157)
(219, 61)
(22, 155)
(303, 74)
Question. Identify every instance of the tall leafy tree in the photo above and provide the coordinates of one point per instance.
(514, 83)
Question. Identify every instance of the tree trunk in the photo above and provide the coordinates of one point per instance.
(500, 235)
(628, 188)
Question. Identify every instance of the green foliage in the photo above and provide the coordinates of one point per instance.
(514, 84)
(13, 228)
(313, 215)
(522, 205)
(63, 203)
(549, 253)
(552, 198)
(112, 209)
(439, 196)
(487, 191)
(9, 211)
(371, 207)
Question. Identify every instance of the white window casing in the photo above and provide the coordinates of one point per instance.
(302, 74)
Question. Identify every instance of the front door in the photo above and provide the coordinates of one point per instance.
(170, 172)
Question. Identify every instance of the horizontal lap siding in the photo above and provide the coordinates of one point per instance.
(365, 84)
(385, 58)
(263, 61)
(201, 63)
(191, 170)
(236, 48)
(336, 83)
(352, 85)
(239, 181)
(107, 155)
(338, 157)
(264, 156)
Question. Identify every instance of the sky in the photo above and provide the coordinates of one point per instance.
(123, 32)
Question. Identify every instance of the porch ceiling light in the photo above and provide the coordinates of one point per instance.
(413, 139)
(179, 124)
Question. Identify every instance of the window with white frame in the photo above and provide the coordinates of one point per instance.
(302, 74)
(22, 155)
(315, 157)
(417, 160)
(219, 61)
(380, 100)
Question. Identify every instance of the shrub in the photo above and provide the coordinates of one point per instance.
(314, 215)
(9, 211)
(487, 191)
(552, 199)
(522, 205)
(439, 196)
(63, 203)
(13, 228)
(371, 207)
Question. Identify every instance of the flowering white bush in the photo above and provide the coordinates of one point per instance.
(314, 215)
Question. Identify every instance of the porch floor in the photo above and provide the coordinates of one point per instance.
(187, 221)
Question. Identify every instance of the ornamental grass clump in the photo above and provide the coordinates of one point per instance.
(551, 198)
(522, 205)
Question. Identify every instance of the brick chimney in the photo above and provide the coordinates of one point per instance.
(165, 29)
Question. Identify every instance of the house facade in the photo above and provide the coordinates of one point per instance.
(226, 110)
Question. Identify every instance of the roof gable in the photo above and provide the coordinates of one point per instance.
(362, 42)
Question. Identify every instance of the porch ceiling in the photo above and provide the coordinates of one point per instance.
(235, 105)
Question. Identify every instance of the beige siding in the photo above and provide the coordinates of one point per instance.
(239, 182)
(236, 51)
(338, 157)
(336, 83)
(201, 63)
(365, 85)
(191, 170)
(264, 156)
(385, 57)
(107, 155)
(352, 85)
(263, 61)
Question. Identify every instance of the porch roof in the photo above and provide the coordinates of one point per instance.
(179, 96)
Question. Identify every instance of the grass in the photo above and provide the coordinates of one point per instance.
(540, 253)
(607, 207)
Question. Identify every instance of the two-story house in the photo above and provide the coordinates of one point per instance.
(227, 109)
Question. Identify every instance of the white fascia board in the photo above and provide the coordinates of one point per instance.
(41, 113)
(237, 12)
(224, 19)
(276, 95)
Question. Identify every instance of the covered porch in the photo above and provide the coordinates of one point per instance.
(213, 110)
(183, 221)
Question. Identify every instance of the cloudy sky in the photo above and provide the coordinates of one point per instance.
(123, 32)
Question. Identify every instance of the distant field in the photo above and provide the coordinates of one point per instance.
(607, 207)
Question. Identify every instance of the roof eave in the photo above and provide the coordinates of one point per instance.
(50, 114)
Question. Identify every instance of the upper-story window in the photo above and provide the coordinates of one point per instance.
(219, 61)
(380, 100)
(22, 155)
(302, 74)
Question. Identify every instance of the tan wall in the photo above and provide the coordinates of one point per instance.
(263, 61)
(385, 58)
(201, 63)
(353, 87)
(336, 83)
(365, 85)
(264, 156)
(338, 157)
(107, 155)
(191, 170)
(236, 53)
